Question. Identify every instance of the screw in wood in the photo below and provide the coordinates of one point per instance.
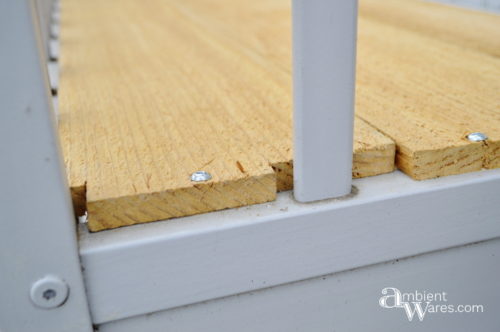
(200, 176)
(477, 137)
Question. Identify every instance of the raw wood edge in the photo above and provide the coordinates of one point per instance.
(79, 199)
(374, 162)
(428, 164)
(181, 202)
(492, 155)
(284, 175)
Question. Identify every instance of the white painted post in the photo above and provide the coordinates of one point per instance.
(40, 274)
(324, 58)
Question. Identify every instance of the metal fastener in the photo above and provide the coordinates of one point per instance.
(49, 292)
(477, 137)
(200, 176)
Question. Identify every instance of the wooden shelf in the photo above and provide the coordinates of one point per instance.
(150, 93)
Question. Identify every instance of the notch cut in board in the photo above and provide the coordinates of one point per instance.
(138, 116)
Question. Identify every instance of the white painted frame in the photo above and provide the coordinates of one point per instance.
(37, 228)
(153, 267)
(348, 301)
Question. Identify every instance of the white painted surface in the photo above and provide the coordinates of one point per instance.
(152, 267)
(324, 58)
(348, 301)
(53, 48)
(37, 227)
(53, 71)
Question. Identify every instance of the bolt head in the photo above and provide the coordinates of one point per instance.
(200, 176)
(477, 137)
(49, 292)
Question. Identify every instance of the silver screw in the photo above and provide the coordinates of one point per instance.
(49, 292)
(200, 176)
(477, 137)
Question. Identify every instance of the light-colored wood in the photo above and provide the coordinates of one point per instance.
(150, 93)
(374, 152)
(460, 26)
(427, 95)
(429, 147)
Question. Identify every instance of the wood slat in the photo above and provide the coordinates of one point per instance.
(152, 92)
(428, 95)
(460, 26)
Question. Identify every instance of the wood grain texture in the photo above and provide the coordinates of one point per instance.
(150, 93)
(374, 153)
(460, 26)
(427, 95)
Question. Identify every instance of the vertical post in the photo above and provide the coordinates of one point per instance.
(40, 275)
(324, 58)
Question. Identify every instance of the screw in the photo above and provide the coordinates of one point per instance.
(49, 292)
(477, 137)
(200, 176)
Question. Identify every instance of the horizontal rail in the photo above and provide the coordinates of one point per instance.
(146, 268)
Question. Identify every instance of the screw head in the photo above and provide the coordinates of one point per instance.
(200, 176)
(49, 292)
(477, 137)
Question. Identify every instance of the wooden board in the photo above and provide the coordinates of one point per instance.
(150, 93)
(428, 95)
(448, 32)
(460, 26)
